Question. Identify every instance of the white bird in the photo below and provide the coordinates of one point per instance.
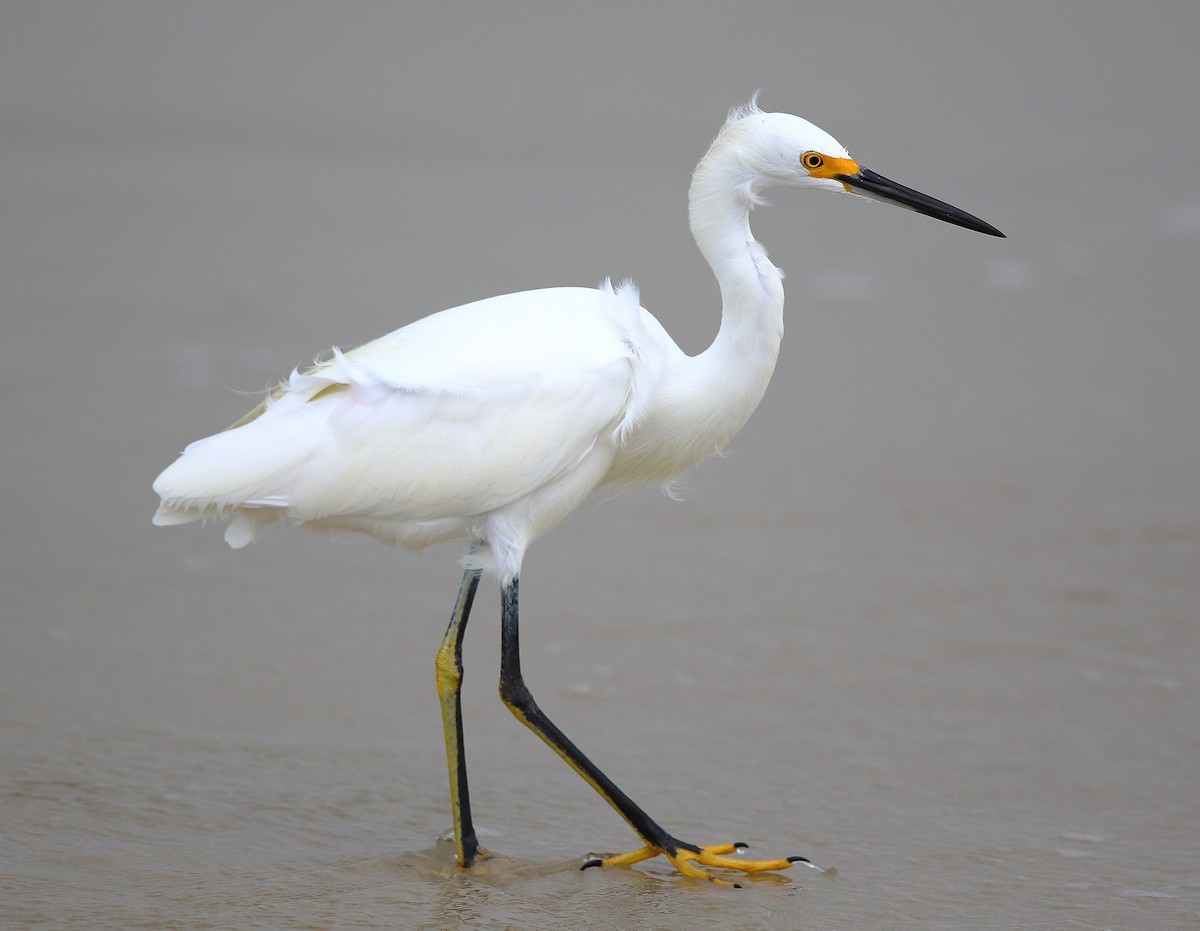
(490, 422)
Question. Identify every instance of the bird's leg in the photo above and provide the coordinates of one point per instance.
(687, 858)
(449, 685)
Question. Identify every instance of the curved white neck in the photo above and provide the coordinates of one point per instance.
(739, 363)
(709, 397)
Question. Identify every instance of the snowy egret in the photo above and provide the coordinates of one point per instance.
(489, 423)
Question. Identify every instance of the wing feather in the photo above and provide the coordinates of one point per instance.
(455, 415)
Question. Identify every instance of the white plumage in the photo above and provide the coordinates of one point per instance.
(491, 419)
(489, 423)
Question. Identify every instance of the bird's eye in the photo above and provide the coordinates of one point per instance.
(812, 160)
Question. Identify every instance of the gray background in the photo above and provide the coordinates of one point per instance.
(932, 622)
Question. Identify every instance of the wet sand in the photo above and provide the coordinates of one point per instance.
(931, 623)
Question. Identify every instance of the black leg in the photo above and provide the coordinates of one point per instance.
(520, 702)
(687, 858)
(449, 685)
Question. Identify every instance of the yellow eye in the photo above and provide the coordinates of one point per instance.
(812, 160)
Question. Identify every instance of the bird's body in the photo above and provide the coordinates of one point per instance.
(490, 422)
(424, 436)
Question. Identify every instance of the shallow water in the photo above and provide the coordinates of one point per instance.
(932, 623)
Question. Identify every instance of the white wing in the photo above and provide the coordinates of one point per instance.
(453, 416)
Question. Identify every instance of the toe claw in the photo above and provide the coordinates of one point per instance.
(592, 861)
(798, 860)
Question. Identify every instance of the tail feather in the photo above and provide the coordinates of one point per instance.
(246, 470)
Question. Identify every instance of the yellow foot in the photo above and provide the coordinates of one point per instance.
(688, 860)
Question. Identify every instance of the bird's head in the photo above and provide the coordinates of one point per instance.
(781, 150)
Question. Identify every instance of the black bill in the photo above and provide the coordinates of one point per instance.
(878, 187)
